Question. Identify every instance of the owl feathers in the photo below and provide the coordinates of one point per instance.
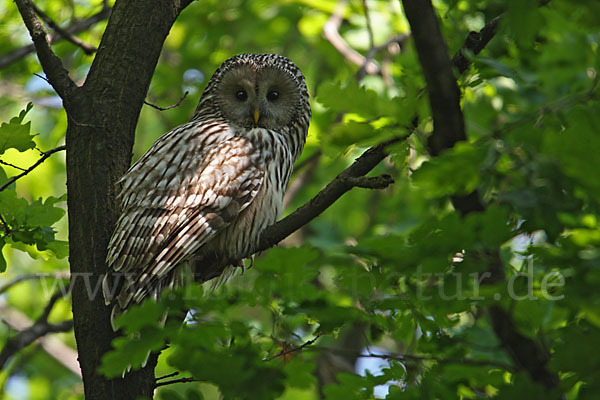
(198, 200)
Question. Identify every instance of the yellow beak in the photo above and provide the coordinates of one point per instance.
(256, 115)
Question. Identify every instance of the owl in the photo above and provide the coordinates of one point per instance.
(198, 200)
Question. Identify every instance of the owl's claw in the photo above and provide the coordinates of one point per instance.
(239, 264)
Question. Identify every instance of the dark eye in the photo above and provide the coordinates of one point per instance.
(241, 95)
(273, 95)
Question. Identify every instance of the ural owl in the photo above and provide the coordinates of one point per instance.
(203, 193)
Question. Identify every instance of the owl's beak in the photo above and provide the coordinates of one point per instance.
(256, 115)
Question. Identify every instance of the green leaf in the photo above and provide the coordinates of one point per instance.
(456, 171)
(15, 134)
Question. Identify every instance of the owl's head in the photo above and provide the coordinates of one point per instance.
(256, 90)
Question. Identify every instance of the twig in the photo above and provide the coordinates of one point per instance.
(87, 48)
(331, 33)
(293, 350)
(369, 27)
(30, 332)
(77, 27)
(180, 380)
(11, 165)
(398, 39)
(52, 65)
(43, 158)
(167, 376)
(405, 357)
(6, 231)
(21, 278)
(169, 107)
(326, 197)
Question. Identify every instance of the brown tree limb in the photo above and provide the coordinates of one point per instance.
(57, 75)
(75, 28)
(45, 155)
(345, 181)
(449, 129)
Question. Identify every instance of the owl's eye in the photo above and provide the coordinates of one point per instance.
(273, 95)
(241, 95)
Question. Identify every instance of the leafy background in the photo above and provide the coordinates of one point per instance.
(382, 280)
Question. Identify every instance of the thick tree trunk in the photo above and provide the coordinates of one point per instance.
(102, 118)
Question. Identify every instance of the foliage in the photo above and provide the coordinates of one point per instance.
(391, 283)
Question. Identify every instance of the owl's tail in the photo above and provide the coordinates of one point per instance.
(121, 291)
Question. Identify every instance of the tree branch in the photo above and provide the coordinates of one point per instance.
(474, 43)
(30, 332)
(87, 49)
(45, 155)
(448, 130)
(180, 380)
(73, 29)
(402, 357)
(168, 107)
(332, 34)
(52, 65)
(346, 180)
(293, 349)
(41, 275)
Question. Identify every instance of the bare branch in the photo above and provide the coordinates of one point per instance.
(75, 28)
(326, 197)
(369, 27)
(21, 278)
(180, 380)
(87, 49)
(30, 332)
(331, 33)
(52, 65)
(43, 158)
(160, 378)
(474, 43)
(292, 350)
(405, 357)
(168, 107)
(11, 165)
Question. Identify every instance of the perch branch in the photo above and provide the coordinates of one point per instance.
(346, 180)
(52, 65)
(73, 29)
(448, 130)
(45, 155)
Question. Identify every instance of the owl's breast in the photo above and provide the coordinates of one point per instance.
(241, 237)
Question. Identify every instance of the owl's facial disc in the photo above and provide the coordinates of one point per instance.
(267, 97)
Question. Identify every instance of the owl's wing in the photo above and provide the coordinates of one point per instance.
(189, 198)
